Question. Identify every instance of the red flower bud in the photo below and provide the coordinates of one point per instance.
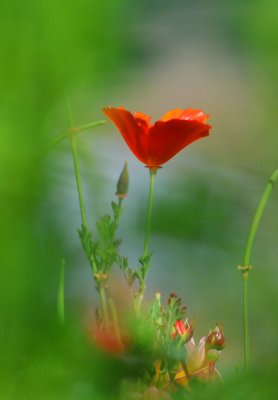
(183, 329)
(216, 339)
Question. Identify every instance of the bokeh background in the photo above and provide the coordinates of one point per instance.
(149, 56)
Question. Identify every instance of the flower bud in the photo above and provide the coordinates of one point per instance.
(184, 330)
(158, 296)
(216, 339)
(122, 185)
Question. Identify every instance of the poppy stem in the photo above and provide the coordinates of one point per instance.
(145, 259)
(245, 269)
(149, 218)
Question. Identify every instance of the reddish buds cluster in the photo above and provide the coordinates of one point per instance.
(216, 339)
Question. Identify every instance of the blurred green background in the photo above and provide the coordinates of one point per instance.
(149, 56)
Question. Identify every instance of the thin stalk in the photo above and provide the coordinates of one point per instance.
(116, 218)
(76, 130)
(258, 216)
(245, 276)
(145, 260)
(61, 294)
(115, 320)
(184, 367)
(149, 217)
(78, 182)
(246, 259)
(72, 139)
(104, 306)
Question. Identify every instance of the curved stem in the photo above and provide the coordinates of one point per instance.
(78, 182)
(246, 259)
(76, 130)
(258, 216)
(72, 139)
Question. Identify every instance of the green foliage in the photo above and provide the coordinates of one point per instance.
(143, 267)
(129, 274)
(163, 318)
(106, 248)
(104, 252)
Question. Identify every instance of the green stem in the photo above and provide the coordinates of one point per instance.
(258, 216)
(72, 139)
(184, 366)
(149, 218)
(145, 258)
(246, 259)
(245, 276)
(115, 319)
(78, 182)
(104, 307)
(74, 131)
(116, 218)
(61, 294)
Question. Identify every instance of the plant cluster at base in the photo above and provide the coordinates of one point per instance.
(159, 337)
(161, 342)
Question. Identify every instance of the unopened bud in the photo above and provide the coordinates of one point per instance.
(216, 339)
(184, 330)
(172, 296)
(122, 185)
(158, 296)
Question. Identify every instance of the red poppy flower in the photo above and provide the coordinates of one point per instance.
(155, 144)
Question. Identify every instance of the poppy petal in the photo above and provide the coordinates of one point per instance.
(194, 115)
(165, 139)
(189, 114)
(172, 114)
(142, 120)
(156, 144)
(142, 116)
(132, 131)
